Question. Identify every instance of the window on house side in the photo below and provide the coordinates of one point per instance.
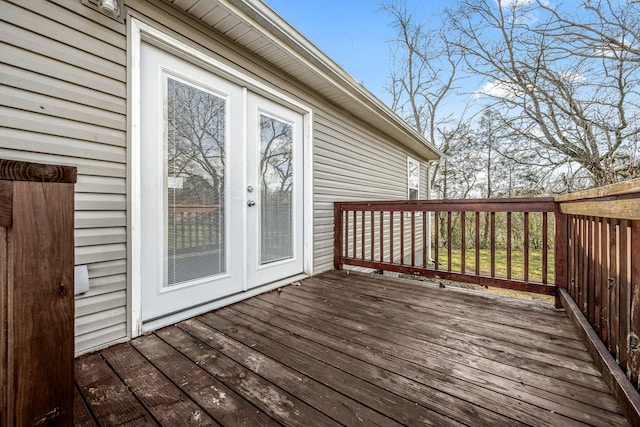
(413, 179)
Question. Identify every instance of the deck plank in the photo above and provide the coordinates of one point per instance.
(160, 396)
(343, 409)
(353, 349)
(219, 401)
(277, 403)
(81, 414)
(108, 398)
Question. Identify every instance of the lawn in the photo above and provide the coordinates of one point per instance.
(517, 263)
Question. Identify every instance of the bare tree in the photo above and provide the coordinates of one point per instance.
(557, 81)
(196, 142)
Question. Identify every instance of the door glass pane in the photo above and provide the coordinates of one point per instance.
(194, 223)
(276, 189)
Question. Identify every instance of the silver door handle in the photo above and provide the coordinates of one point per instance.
(251, 203)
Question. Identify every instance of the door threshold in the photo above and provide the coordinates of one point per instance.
(173, 318)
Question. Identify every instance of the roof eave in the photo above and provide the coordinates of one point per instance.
(353, 96)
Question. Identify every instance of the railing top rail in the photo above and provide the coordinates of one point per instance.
(617, 189)
(529, 204)
(618, 201)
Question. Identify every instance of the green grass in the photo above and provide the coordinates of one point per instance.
(517, 263)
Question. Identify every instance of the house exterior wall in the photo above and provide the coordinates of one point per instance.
(63, 68)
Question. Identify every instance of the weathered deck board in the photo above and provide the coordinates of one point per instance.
(353, 349)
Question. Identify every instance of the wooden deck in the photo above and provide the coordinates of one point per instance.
(352, 349)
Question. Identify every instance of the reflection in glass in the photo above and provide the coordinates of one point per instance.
(195, 238)
(276, 189)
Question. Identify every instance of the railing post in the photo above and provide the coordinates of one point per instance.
(337, 236)
(561, 252)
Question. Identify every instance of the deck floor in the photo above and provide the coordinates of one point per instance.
(352, 349)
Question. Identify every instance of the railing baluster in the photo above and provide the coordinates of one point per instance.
(463, 242)
(183, 242)
(545, 250)
(436, 233)
(381, 236)
(604, 284)
(449, 244)
(509, 225)
(355, 236)
(346, 233)
(402, 237)
(373, 237)
(526, 246)
(477, 243)
(493, 247)
(584, 276)
(413, 238)
(613, 286)
(424, 239)
(391, 236)
(597, 274)
(624, 294)
(363, 246)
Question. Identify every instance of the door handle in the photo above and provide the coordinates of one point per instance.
(251, 203)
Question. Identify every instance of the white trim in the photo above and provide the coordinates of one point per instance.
(137, 32)
(196, 311)
(411, 160)
(134, 219)
(308, 193)
(245, 184)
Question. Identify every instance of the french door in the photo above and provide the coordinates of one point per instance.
(221, 186)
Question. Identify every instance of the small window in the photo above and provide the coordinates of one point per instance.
(413, 179)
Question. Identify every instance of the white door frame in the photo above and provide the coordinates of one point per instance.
(138, 31)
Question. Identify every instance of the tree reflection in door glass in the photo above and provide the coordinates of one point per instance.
(194, 230)
(276, 189)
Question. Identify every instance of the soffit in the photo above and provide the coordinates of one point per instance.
(256, 27)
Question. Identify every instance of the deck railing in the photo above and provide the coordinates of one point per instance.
(603, 266)
(584, 247)
(499, 242)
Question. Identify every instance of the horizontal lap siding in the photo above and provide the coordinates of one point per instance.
(63, 70)
(351, 163)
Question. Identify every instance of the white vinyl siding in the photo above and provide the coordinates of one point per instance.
(64, 102)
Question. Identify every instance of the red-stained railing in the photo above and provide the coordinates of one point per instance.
(458, 240)
(603, 266)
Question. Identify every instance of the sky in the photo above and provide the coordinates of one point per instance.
(354, 33)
